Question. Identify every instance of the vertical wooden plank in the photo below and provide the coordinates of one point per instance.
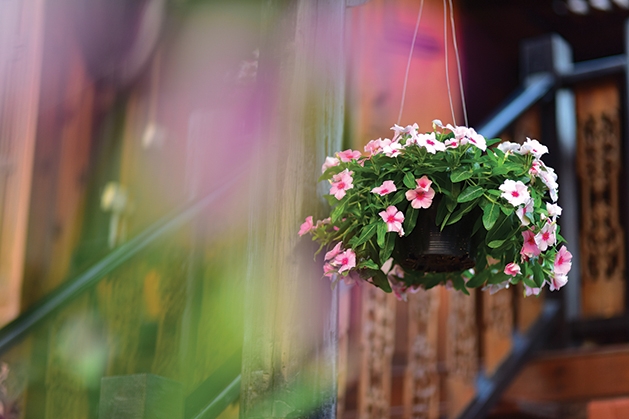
(345, 302)
(140, 396)
(421, 379)
(289, 354)
(21, 38)
(376, 344)
(497, 321)
(602, 237)
(462, 350)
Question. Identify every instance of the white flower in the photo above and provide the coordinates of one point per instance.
(509, 147)
(430, 143)
(515, 192)
(554, 210)
(533, 147)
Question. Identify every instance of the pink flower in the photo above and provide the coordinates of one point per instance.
(391, 148)
(430, 143)
(400, 289)
(451, 143)
(349, 155)
(529, 249)
(528, 291)
(394, 219)
(423, 182)
(374, 147)
(420, 198)
(329, 162)
(512, 269)
(557, 281)
(334, 252)
(466, 135)
(409, 129)
(546, 237)
(535, 168)
(329, 270)
(345, 261)
(352, 278)
(307, 226)
(515, 192)
(522, 212)
(386, 188)
(563, 262)
(341, 183)
(533, 147)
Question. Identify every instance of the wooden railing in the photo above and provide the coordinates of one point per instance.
(98, 321)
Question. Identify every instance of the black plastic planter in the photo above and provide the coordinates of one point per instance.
(429, 249)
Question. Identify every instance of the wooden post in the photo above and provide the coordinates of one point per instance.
(21, 39)
(140, 396)
(289, 354)
(552, 54)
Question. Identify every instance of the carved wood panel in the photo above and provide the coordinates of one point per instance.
(598, 168)
(377, 344)
(497, 327)
(421, 380)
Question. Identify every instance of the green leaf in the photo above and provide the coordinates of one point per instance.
(397, 198)
(492, 141)
(380, 280)
(461, 173)
(494, 244)
(410, 219)
(381, 230)
(459, 284)
(491, 212)
(389, 243)
(463, 209)
(499, 230)
(442, 211)
(470, 193)
(498, 278)
(368, 264)
(478, 279)
(507, 210)
(538, 275)
(338, 212)
(450, 203)
(409, 180)
(366, 233)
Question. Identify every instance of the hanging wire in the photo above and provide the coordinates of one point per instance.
(445, 43)
(408, 64)
(458, 63)
(445, 50)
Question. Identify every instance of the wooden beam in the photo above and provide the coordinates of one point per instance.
(574, 375)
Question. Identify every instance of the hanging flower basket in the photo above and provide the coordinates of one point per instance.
(444, 207)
